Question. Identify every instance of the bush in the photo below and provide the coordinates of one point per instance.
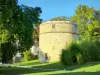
(80, 59)
(90, 50)
(97, 45)
(80, 52)
(85, 46)
(28, 56)
(76, 52)
(0, 55)
(66, 57)
(72, 54)
(74, 47)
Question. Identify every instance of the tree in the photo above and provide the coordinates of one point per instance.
(87, 22)
(6, 13)
(59, 18)
(97, 14)
(97, 29)
(36, 33)
(29, 20)
(16, 27)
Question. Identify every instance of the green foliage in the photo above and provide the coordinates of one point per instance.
(0, 51)
(16, 27)
(6, 29)
(90, 50)
(28, 20)
(66, 57)
(74, 47)
(28, 56)
(7, 54)
(6, 13)
(97, 14)
(76, 52)
(84, 45)
(80, 59)
(59, 18)
(88, 23)
(82, 51)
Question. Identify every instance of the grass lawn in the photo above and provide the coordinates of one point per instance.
(91, 68)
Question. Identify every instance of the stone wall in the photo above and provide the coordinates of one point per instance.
(54, 35)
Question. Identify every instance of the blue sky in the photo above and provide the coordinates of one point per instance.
(54, 8)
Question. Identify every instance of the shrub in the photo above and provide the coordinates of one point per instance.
(74, 47)
(76, 52)
(97, 44)
(81, 51)
(28, 55)
(72, 54)
(0, 55)
(66, 57)
(84, 45)
(80, 59)
(90, 50)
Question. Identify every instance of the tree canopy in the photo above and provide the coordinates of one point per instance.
(88, 22)
(59, 18)
(16, 27)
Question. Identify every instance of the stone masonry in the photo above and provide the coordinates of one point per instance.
(54, 35)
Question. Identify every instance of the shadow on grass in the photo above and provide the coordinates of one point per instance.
(19, 71)
(45, 68)
(78, 73)
(55, 65)
(60, 66)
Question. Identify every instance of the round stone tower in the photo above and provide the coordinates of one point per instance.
(54, 35)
